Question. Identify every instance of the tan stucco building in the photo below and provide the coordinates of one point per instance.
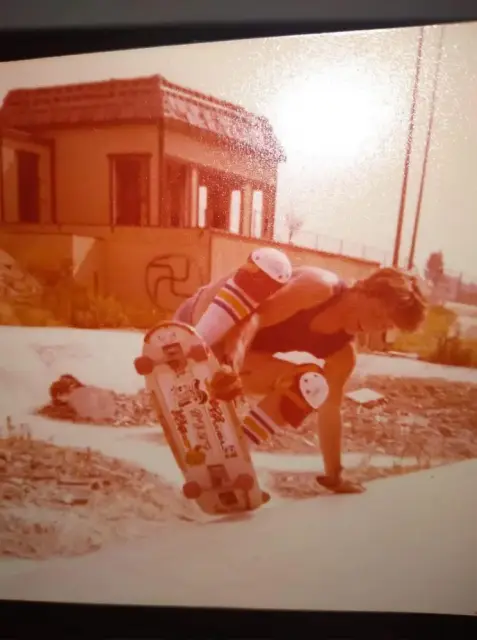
(133, 153)
(146, 188)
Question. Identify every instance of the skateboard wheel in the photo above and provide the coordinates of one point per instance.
(266, 497)
(144, 365)
(191, 490)
(244, 482)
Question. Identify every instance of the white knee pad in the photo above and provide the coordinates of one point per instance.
(314, 388)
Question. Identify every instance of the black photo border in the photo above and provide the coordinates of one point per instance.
(33, 29)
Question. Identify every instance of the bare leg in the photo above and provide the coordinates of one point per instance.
(263, 376)
(261, 371)
(290, 393)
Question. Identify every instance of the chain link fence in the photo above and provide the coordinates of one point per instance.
(328, 244)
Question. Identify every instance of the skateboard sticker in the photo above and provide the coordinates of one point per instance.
(185, 394)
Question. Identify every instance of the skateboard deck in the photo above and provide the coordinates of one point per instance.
(204, 433)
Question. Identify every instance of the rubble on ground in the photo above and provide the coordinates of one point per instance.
(365, 397)
(431, 418)
(62, 501)
(130, 411)
(58, 501)
(407, 417)
(424, 419)
(299, 485)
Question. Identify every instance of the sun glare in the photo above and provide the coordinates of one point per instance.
(336, 117)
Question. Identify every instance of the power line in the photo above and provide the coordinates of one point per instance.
(407, 157)
(430, 128)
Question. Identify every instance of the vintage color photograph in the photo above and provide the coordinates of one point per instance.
(238, 324)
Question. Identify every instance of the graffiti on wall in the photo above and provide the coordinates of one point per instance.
(170, 279)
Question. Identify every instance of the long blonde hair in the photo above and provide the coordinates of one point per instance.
(401, 294)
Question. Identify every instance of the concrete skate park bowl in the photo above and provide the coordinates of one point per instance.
(427, 517)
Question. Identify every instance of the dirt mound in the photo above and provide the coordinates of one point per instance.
(131, 411)
(431, 418)
(422, 418)
(60, 501)
(122, 410)
(426, 419)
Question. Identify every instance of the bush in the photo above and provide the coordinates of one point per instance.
(8, 315)
(146, 318)
(99, 312)
(30, 316)
(455, 352)
(64, 302)
(426, 340)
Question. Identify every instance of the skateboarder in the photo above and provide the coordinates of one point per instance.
(313, 312)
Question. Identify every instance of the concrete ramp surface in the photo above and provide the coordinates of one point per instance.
(407, 544)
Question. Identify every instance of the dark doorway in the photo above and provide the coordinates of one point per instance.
(220, 186)
(175, 206)
(28, 165)
(130, 182)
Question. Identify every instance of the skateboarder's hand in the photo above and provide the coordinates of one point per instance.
(340, 485)
(226, 384)
(237, 342)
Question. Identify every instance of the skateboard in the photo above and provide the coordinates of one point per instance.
(203, 433)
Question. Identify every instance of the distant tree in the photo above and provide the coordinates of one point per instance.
(293, 223)
(434, 270)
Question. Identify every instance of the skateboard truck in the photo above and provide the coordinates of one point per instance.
(144, 365)
(244, 482)
(192, 490)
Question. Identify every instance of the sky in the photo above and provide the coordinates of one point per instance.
(340, 105)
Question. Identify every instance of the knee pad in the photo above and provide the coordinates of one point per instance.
(273, 262)
(265, 272)
(307, 391)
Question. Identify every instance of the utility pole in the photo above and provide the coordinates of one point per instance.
(430, 128)
(407, 158)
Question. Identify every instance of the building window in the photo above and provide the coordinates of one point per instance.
(129, 176)
(257, 214)
(220, 200)
(235, 211)
(202, 207)
(175, 194)
(28, 185)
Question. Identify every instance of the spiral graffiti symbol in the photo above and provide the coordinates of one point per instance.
(170, 279)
